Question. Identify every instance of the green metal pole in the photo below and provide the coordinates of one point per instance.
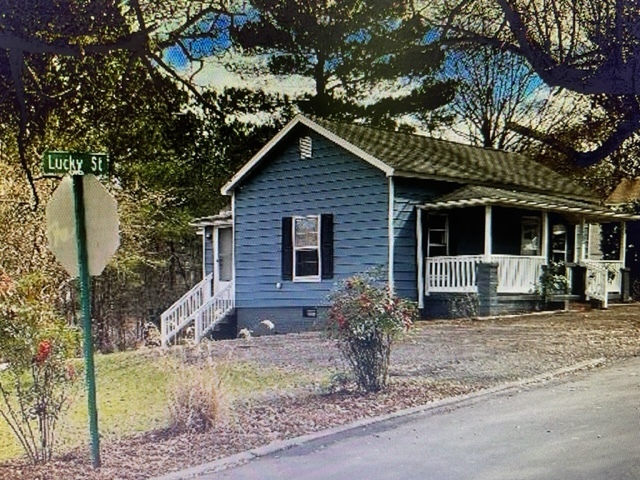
(85, 295)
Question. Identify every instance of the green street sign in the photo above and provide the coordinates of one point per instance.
(75, 163)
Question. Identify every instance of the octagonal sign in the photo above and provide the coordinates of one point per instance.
(101, 219)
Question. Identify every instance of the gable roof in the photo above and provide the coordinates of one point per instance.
(416, 156)
(627, 191)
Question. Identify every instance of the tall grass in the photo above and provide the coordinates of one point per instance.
(134, 393)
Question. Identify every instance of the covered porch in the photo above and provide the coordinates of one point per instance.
(493, 243)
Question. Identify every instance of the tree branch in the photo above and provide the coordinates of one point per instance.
(16, 61)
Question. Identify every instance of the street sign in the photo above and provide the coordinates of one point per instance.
(83, 234)
(75, 163)
(101, 219)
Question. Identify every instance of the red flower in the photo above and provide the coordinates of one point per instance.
(44, 350)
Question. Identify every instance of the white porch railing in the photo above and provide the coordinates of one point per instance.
(518, 274)
(455, 274)
(452, 274)
(603, 277)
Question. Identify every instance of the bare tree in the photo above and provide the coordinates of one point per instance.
(495, 90)
(587, 46)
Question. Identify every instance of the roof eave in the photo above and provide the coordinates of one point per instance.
(592, 213)
(467, 181)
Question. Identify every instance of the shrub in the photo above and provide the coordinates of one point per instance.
(37, 347)
(552, 280)
(366, 318)
(194, 400)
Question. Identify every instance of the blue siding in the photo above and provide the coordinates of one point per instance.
(408, 194)
(332, 181)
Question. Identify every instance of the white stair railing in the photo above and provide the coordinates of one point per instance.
(181, 313)
(212, 312)
(603, 277)
(597, 283)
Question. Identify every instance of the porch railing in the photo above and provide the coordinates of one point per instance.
(452, 274)
(603, 277)
(518, 274)
(457, 274)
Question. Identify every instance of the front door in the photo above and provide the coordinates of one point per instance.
(223, 258)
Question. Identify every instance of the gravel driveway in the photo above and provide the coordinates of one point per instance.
(439, 359)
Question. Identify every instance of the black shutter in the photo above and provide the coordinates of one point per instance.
(287, 248)
(326, 245)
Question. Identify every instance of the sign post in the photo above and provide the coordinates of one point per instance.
(85, 296)
(95, 228)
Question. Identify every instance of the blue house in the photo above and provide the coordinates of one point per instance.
(325, 200)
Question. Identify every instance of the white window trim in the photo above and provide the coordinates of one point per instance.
(307, 278)
(445, 230)
(565, 251)
(531, 220)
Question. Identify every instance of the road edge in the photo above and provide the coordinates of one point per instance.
(457, 401)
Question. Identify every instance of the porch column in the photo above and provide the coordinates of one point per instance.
(584, 233)
(487, 234)
(544, 243)
(420, 259)
(623, 243)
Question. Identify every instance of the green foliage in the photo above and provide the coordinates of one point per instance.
(349, 49)
(36, 346)
(553, 280)
(366, 318)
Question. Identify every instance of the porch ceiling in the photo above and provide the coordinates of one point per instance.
(471, 196)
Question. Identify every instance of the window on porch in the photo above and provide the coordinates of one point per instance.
(530, 236)
(559, 243)
(438, 235)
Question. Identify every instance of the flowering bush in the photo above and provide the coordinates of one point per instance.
(366, 318)
(553, 280)
(37, 347)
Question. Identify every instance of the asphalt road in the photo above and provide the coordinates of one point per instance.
(584, 428)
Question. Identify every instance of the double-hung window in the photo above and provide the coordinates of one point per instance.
(306, 248)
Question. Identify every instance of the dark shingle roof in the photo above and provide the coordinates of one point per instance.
(476, 195)
(419, 156)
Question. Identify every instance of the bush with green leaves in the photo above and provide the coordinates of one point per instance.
(366, 318)
(553, 280)
(36, 348)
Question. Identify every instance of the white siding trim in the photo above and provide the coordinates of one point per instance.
(300, 119)
(392, 240)
(233, 240)
(420, 258)
(204, 251)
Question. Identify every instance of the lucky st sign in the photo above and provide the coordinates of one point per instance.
(75, 163)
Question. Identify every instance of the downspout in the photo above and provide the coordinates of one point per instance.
(420, 257)
(391, 230)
